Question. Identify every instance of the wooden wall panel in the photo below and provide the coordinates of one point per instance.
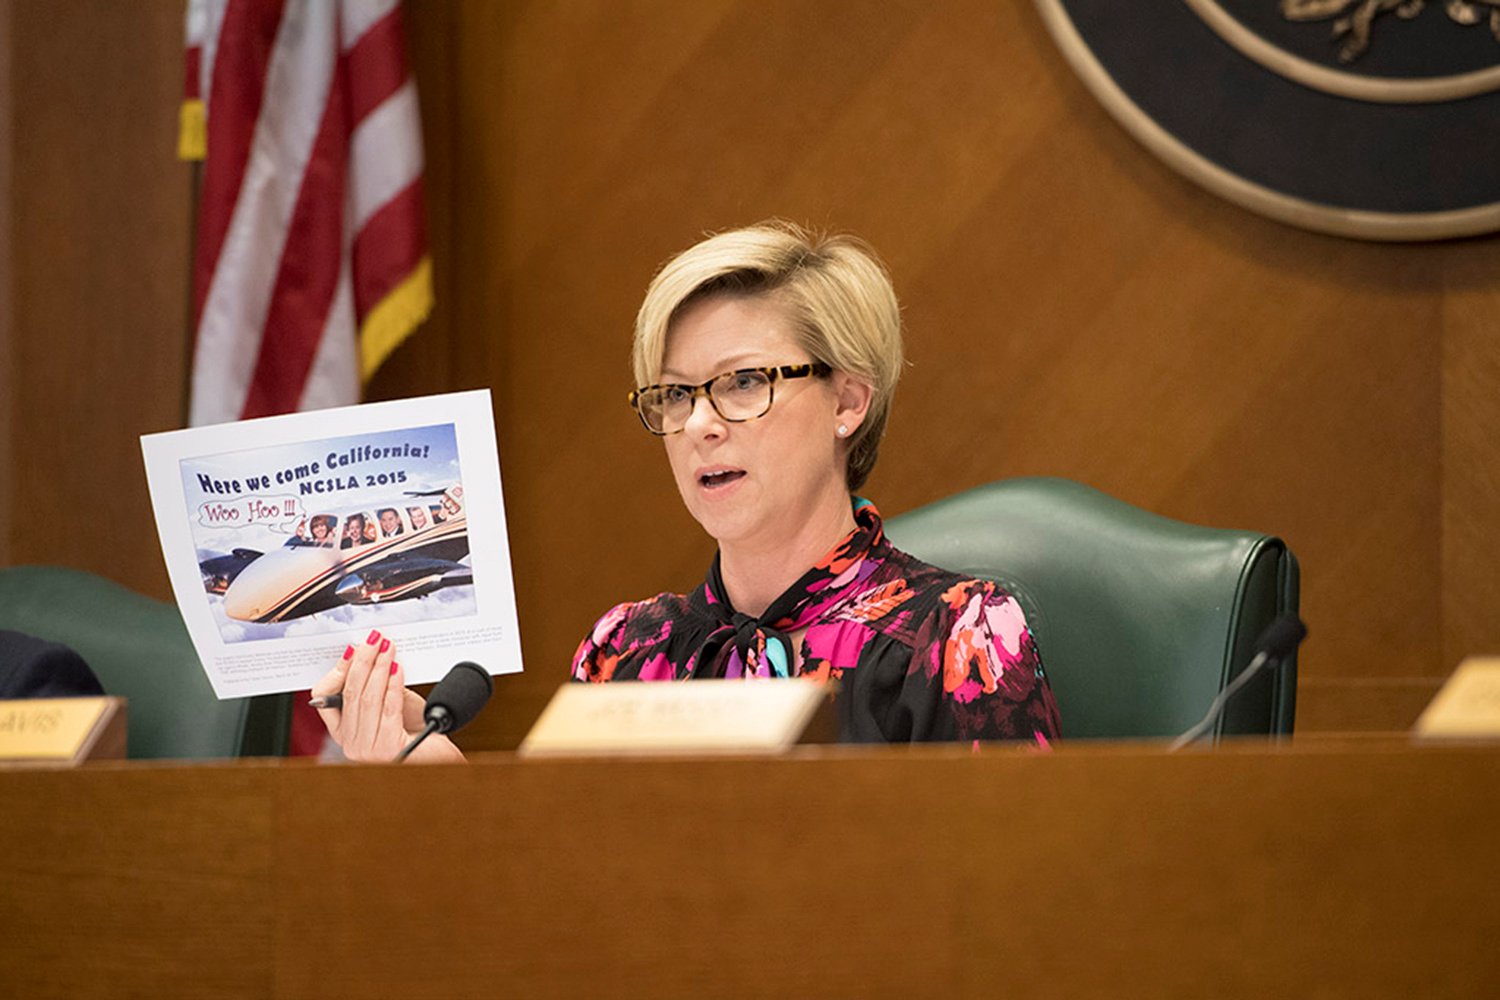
(100, 217)
(1074, 307)
(1471, 450)
(7, 350)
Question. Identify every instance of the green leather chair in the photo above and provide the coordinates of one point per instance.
(140, 650)
(1140, 620)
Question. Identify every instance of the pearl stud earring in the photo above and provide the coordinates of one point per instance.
(843, 430)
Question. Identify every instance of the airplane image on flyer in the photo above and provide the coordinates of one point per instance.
(331, 534)
(369, 554)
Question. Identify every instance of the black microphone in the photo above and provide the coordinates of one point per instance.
(1278, 641)
(454, 702)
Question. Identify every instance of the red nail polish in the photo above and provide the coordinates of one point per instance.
(348, 652)
(384, 645)
(394, 665)
(370, 639)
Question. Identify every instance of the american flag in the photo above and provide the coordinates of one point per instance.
(310, 261)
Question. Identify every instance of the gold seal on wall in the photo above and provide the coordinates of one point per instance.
(1352, 28)
(1354, 19)
(1396, 140)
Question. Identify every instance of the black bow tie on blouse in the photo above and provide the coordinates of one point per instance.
(740, 645)
(747, 636)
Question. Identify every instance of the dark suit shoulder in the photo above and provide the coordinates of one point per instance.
(35, 668)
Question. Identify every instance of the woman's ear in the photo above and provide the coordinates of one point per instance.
(852, 397)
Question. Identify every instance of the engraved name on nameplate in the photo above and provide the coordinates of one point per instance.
(54, 729)
(707, 716)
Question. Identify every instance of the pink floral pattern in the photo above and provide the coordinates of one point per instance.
(921, 653)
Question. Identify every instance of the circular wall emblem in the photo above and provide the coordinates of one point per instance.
(1375, 119)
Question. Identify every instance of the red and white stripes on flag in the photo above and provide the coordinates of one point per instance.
(310, 264)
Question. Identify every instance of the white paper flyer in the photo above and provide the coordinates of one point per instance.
(287, 538)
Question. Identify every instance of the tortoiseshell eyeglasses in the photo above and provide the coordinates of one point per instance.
(736, 396)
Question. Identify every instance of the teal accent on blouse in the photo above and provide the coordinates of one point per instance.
(776, 653)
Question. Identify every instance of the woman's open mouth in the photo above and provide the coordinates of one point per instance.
(719, 478)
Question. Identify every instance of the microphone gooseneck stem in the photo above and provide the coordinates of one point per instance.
(1253, 668)
(433, 726)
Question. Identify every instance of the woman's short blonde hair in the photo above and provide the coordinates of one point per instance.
(835, 289)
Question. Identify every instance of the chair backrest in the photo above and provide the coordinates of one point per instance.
(1141, 620)
(140, 650)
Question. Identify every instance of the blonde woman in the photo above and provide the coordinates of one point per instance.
(766, 359)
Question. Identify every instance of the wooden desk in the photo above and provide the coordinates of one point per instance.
(1336, 870)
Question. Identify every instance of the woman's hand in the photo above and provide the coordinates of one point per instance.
(379, 715)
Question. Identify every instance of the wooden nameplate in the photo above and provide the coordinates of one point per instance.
(697, 717)
(61, 731)
(1468, 704)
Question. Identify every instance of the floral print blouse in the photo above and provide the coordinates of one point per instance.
(920, 653)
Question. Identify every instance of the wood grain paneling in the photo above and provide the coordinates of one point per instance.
(99, 896)
(1362, 704)
(1073, 307)
(7, 350)
(100, 220)
(1471, 450)
(6, 285)
(1102, 872)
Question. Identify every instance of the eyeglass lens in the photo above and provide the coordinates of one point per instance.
(737, 396)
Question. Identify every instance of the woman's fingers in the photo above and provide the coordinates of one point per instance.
(391, 727)
(333, 683)
(358, 723)
(379, 714)
(374, 733)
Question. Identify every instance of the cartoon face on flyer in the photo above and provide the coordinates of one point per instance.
(367, 530)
